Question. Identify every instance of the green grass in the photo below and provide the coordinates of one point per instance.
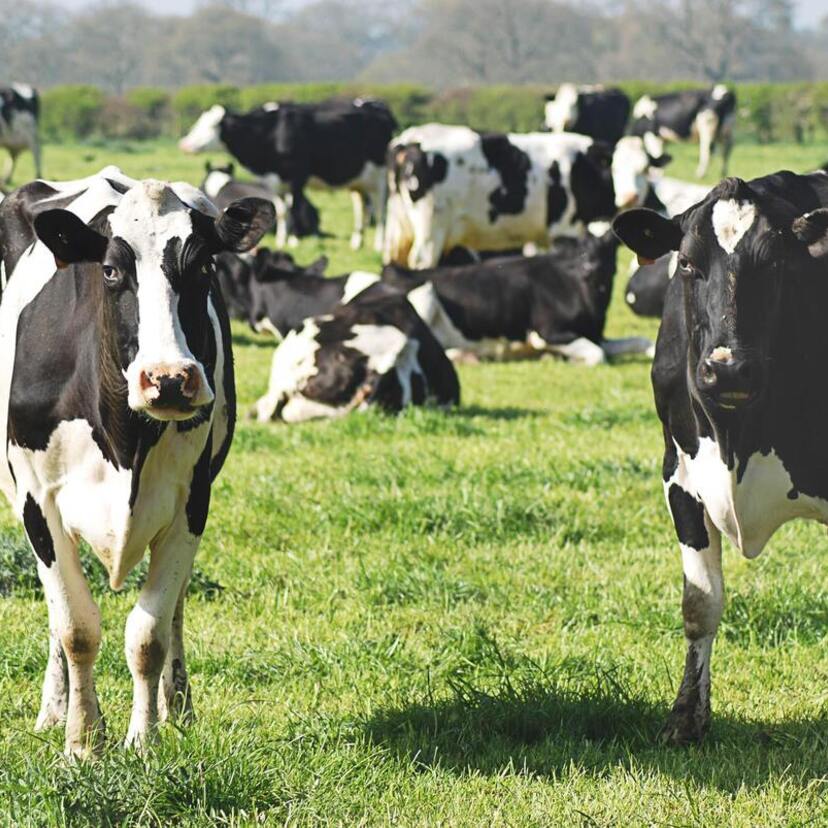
(469, 618)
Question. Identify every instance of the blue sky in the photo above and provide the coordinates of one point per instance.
(809, 11)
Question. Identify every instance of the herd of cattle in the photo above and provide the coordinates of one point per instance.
(117, 384)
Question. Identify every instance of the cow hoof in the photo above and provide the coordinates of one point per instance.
(49, 717)
(683, 728)
(356, 241)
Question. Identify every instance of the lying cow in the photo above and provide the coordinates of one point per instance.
(370, 352)
(738, 387)
(453, 186)
(237, 273)
(333, 144)
(19, 122)
(523, 306)
(597, 111)
(703, 115)
(647, 287)
(118, 409)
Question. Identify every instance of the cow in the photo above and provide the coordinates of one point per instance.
(450, 185)
(597, 111)
(19, 117)
(373, 351)
(647, 285)
(332, 144)
(737, 388)
(235, 275)
(522, 306)
(222, 188)
(703, 115)
(117, 409)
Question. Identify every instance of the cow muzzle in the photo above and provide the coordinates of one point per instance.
(170, 392)
(729, 382)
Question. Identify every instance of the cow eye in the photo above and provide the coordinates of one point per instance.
(112, 275)
(686, 266)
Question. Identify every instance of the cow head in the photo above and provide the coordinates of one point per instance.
(205, 133)
(561, 109)
(153, 257)
(741, 251)
(631, 165)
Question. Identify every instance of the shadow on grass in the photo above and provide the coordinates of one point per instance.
(253, 341)
(501, 413)
(595, 724)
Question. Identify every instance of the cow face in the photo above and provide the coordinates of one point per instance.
(631, 164)
(154, 260)
(738, 252)
(205, 134)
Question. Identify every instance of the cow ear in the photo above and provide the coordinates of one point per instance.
(647, 233)
(244, 222)
(69, 238)
(318, 267)
(661, 161)
(812, 229)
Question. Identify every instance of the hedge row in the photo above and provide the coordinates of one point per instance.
(767, 112)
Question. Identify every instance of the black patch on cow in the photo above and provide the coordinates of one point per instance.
(118, 186)
(556, 198)
(341, 370)
(591, 183)
(147, 439)
(388, 394)
(688, 517)
(793, 494)
(37, 531)
(410, 163)
(198, 501)
(228, 380)
(171, 262)
(512, 165)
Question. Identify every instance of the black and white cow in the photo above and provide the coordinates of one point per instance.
(222, 188)
(597, 111)
(117, 409)
(522, 306)
(372, 351)
(19, 116)
(333, 144)
(647, 287)
(451, 186)
(703, 115)
(737, 386)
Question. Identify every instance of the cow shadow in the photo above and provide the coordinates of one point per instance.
(253, 341)
(495, 413)
(547, 732)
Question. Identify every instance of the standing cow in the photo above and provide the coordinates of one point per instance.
(596, 111)
(703, 115)
(19, 116)
(329, 145)
(738, 387)
(450, 186)
(117, 409)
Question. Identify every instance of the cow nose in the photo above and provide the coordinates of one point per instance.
(170, 388)
(731, 381)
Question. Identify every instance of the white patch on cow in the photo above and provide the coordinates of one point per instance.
(654, 144)
(676, 195)
(266, 326)
(645, 107)
(205, 135)
(357, 282)
(24, 90)
(719, 92)
(426, 302)
(270, 106)
(628, 346)
(148, 217)
(581, 351)
(382, 344)
(721, 354)
(731, 220)
(630, 297)
(705, 127)
(215, 181)
(561, 112)
(630, 166)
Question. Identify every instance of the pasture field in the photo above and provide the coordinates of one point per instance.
(456, 619)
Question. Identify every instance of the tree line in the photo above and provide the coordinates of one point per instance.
(437, 43)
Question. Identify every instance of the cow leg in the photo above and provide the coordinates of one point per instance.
(76, 621)
(380, 209)
(280, 204)
(631, 345)
(706, 125)
(11, 162)
(358, 202)
(149, 626)
(36, 152)
(54, 699)
(702, 604)
(726, 137)
(175, 701)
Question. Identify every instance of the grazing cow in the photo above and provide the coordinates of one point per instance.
(596, 111)
(372, 351)
(737, 388)
(118, 407)
(19, 116)
(453, 186)
(333, 144)
(234, 273)
(222, 189)
(523, 306)
(703, 115)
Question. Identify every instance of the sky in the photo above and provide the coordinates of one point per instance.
(809, 12)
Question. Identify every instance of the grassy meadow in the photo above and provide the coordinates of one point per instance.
(442, 619)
